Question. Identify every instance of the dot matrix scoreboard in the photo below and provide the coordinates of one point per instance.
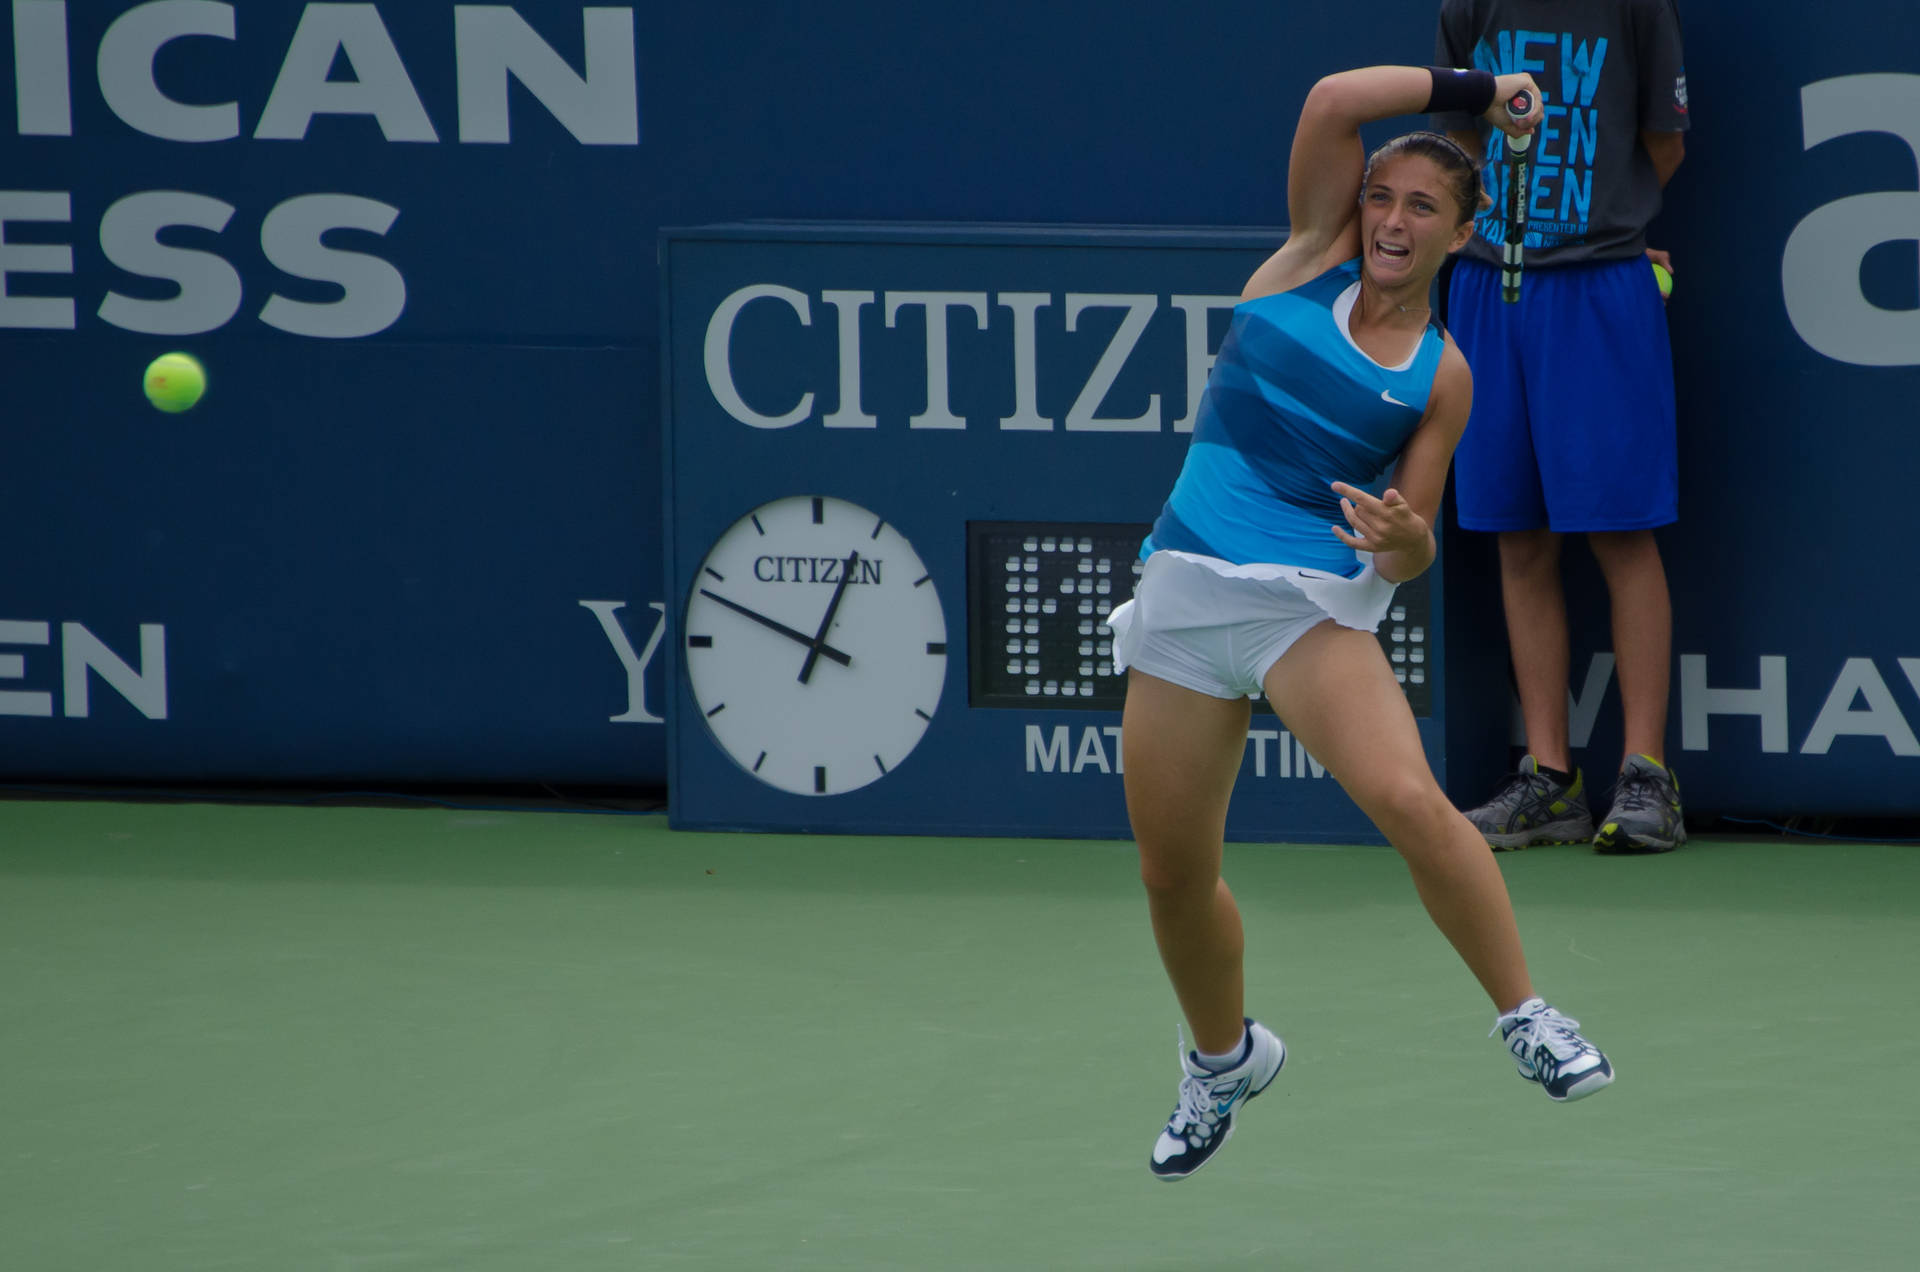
(908, 469)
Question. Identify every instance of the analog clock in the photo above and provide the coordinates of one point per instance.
(815, 645)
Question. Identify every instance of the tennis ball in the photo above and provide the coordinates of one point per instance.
(1662, 277)
(175, 381)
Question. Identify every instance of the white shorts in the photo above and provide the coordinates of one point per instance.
(1217, 628)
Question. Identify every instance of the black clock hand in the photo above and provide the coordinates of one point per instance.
(813, 646)
(817, 645)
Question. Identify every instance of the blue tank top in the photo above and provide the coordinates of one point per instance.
(1292, 404)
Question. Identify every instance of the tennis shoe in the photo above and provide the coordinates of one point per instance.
(1531, 808)
(1646, 814)
(1547, 1048)
(1203, 1119)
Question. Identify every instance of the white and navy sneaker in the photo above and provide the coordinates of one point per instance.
(1548, 1049)
(1203, 1120)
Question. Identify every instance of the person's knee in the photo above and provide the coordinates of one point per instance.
(1529, 552)
(1623, 547)
(1406, 806)
(1169, 873)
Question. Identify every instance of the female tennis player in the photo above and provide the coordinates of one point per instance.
(1332, 373)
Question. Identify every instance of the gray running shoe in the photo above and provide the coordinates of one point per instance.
(1531, 808)
(1646, 815)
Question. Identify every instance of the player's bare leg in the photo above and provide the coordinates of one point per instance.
(1337, 694)
(1183, 751)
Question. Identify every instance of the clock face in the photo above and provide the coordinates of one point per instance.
(815, 645)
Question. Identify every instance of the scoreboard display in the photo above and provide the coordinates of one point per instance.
(908, 471)
(1038, 597)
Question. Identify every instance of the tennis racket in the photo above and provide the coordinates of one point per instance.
(1519, 178)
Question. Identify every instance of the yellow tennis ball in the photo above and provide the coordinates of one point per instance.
(1662, 277)
(175, 381)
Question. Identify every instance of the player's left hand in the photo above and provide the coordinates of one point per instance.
(1386, 524)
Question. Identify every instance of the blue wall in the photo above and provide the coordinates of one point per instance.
(427, 545)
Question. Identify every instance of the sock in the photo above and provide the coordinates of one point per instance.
(1221, 1063)
(1561, 779)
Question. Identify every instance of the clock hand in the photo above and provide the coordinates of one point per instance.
(819, 637)
(814, 646)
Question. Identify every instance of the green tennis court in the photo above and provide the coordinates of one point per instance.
(322, 1039)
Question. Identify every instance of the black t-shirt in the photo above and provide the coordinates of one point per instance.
(1608, 69)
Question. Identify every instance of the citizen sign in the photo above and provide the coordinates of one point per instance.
(810, 569)
(1022, 322)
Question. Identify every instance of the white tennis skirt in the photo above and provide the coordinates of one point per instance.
(1216, 628)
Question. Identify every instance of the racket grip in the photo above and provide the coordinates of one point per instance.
(1519, 106)
(1510, 274)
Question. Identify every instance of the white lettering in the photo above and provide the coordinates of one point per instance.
(15, 702)
(1583, 710)
(1820, 268)
(381, 87)
(635, 667)
(1259, 738)
(209, 292)
(1046, 754)
(43, 100)
(1200, 351)
(45, 312)
(1882, 718)
(81, 651)
(125, 66)
(1026, 381)
(1081, 417)
(373, 292)
(1054, 751)
(719, 355)
(1698, 702)
(1091, 753)
(847, 305)
(600, 108)
(939, 412)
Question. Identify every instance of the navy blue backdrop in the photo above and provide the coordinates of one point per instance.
(414, 531)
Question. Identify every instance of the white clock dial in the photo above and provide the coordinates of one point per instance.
(815, 645)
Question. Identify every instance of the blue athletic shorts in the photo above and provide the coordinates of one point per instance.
(1573, 418)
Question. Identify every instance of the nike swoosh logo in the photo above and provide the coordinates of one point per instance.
(1386, 395)
(1224, 1107)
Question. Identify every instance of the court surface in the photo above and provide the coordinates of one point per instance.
(333, 1039)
